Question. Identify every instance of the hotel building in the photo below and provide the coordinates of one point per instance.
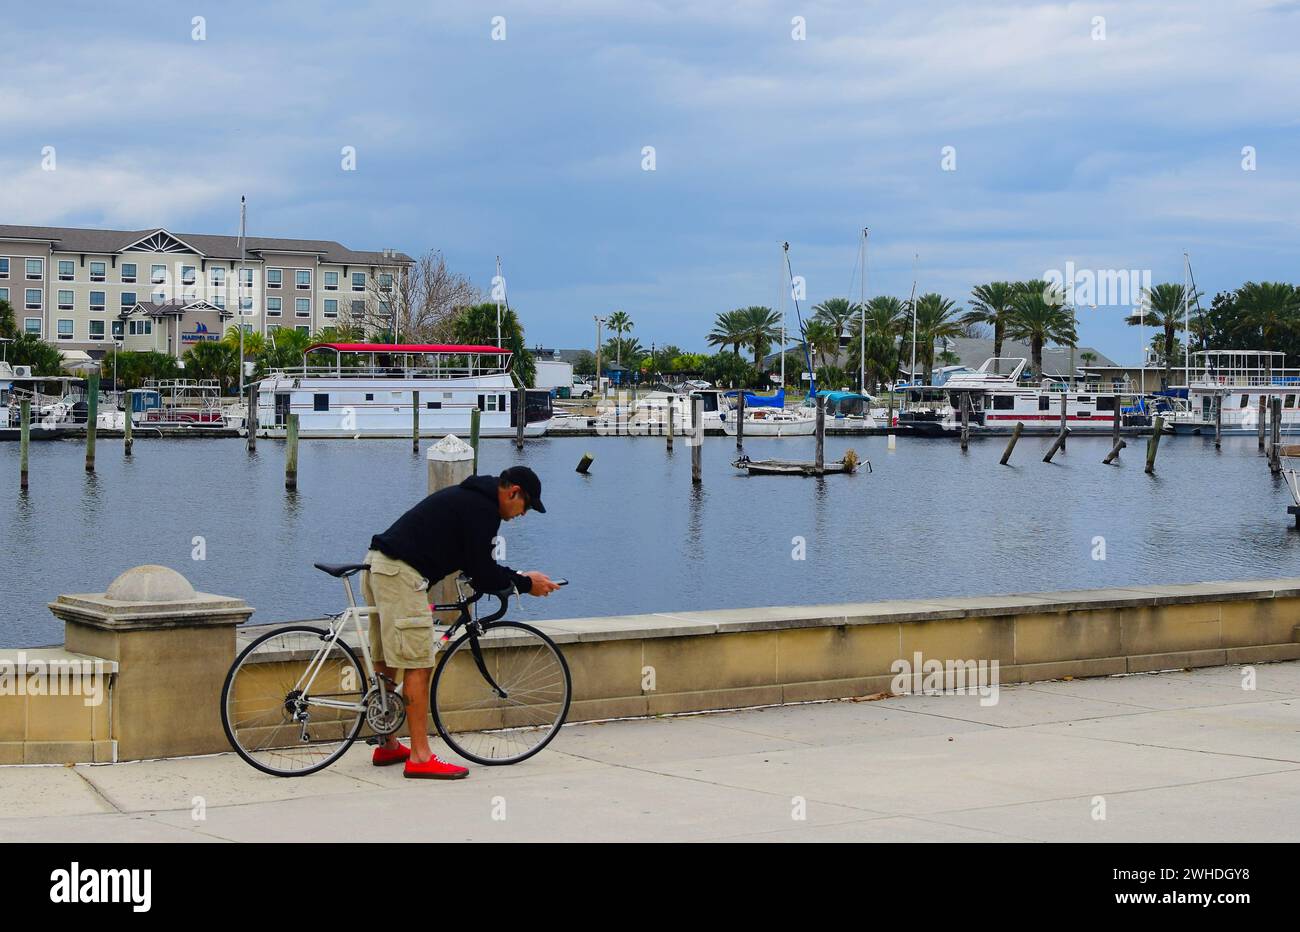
(156, 290)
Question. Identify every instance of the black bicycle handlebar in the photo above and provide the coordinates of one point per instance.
(503, 597)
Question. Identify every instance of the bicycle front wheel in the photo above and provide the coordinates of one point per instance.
(291, 705)
(519, 717)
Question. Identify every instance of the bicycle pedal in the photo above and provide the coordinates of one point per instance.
(374, 740)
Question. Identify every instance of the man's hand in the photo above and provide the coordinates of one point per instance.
(541, 583)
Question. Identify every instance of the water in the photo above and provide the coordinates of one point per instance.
(634, 536)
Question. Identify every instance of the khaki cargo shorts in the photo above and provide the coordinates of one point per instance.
(401, 631)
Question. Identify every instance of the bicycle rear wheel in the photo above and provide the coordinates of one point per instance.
(483, 726)
(279, 722)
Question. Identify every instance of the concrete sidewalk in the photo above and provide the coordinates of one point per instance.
(1185, 756)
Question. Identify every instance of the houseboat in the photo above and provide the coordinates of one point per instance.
(369, 390)
(996, 400)
(1238, 380)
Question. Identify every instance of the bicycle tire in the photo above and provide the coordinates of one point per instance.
(459, 746)
(226, 724)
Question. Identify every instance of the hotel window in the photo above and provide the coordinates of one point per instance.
(219, 301)
(4, 268)
(358, 281)
(218, 277)
(32, 325)
(98, 271)
(385, 281)
(189, 275)
(66, 329)
(128, 300)
(97, 330)
(358, 308)
(303, 328)
(385, 309)
(246, 307)
(140, 328)
(32, 300)
(65, 300)
(35, 269)
(67, 270)
(4, 294)
(331, 307)
(273, 306)
(302, 279)
(157, 274)
(97, 300)
(274, 278)
(119, 327)
(128, 273)
(272, 328)
(302, 307)
(158, 297)
(247, 275)
(331, 281)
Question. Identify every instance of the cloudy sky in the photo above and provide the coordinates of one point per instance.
(1111, 153)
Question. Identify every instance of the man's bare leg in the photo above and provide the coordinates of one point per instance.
(383, 669)
(415, 686)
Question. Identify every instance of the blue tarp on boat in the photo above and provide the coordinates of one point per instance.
(761, 401)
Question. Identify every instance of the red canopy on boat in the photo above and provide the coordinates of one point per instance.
(406, 348)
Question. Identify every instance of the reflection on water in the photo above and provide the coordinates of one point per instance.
(636, 535)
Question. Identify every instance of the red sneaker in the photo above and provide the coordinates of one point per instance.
(434, 769)
(383, 757)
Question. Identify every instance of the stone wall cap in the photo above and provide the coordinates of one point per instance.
(450, 449)
(150, 583)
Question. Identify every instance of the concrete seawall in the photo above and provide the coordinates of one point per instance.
(695, 661)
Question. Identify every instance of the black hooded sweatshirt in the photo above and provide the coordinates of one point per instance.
(452, 530)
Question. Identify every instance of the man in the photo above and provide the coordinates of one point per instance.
(450, 531)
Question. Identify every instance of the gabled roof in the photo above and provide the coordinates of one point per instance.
(109, 242)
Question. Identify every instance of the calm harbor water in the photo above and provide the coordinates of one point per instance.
(634, 537)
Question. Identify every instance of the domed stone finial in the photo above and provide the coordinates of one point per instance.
(150, 583)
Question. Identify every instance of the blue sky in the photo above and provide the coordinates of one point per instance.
(1114, 153)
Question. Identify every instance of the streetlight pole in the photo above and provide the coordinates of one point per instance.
(600, 323)
(239, 295)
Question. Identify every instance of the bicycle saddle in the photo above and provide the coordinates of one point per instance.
(341, 569)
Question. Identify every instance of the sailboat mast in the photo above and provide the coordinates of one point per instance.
(499, 285)
(239, 303)
(862, 319)
(1187, 328)
(912, 374)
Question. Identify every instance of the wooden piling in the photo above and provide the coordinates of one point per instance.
(474, 415)
(24, 440)
(1065, 398)
(1114, 452)
(1057, 444)
(415, 422)
(291, 453)
(668, 426)
(1115, 421)
(1275, 435)
(92, 418)
(127, 440)
(1153, 443)
(250, 420)
(584, 464)
(1263, 418)
(522, 404)
(740, 419)
(1218, 422)
(965, 422)
(820, 462)
(697, 425)
(1011, 444)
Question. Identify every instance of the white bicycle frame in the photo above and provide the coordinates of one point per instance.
(354, 612)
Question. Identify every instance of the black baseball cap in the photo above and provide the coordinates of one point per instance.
(527, 480)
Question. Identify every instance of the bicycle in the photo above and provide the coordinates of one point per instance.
(296, 698)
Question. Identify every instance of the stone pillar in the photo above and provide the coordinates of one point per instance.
(451, 462)
(173, 647)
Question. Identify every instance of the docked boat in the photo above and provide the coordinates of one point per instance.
(51, 415)
(182, 404)
(369, 389)
(996, 401)
(852, 408)
(1237, 380)
(767, 416)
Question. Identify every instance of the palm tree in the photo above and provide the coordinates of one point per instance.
(1037, 319)
(992, 304)
(822, 340)
(936, 319)
(884, 319)
(728, 330)
(837, 312)
(760, 325)
(1164, 311)
(618, 323)
(8, 326)
(1268, 315)
(477, 325)
(214, 359)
